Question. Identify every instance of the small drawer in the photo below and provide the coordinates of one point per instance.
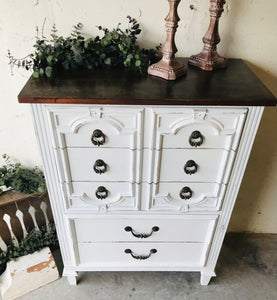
(198, 128)
(101, 196)
(96, 126)
(193, 165)
(102, 164)
(184, 197)
(142, 255)
(194, 228)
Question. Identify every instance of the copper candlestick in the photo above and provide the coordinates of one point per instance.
(168, 68)
(209, 59)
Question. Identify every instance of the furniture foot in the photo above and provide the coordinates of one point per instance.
(71, 277)
(206, 277)
(72, 280)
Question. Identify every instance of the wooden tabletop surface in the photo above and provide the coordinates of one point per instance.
(236, 85)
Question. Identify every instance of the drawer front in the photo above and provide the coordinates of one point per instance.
(87, 196)
(196, 127)
(183, 197)
(166, 254)
(96, 126)
(179, 229)
(192, 165)
(102, 164)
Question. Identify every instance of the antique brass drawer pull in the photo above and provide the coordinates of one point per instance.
(196, 138)
(98, 137)
(101, 193)
(190, 167)
(185, 193)
(140, 257)
(100, 166)
(141, 235)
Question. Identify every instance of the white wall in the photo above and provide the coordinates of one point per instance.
(248, 30)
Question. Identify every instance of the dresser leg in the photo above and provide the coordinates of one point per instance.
(206, 277)
(71, 277)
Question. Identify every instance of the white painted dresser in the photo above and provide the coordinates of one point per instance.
(142, 173)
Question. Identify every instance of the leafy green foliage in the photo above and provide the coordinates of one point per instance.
(116, 48)
(34, 241)
(21, 179)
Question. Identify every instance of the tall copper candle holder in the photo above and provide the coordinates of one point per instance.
(209, 59)
(168, 68)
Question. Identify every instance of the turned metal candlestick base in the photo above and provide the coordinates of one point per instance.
(209, 59)
(168, 68)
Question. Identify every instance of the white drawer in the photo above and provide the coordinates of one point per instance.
(114, 255)
(74, 125)
(206, 165)
(117, 164)
(81, 196)
(165, 196)
(193, 228)
(173, 127)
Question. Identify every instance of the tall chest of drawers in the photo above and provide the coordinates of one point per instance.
(142, 173)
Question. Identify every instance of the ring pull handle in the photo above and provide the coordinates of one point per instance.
(185, 193)
(140, 257)
(190, 167)
(101, 193)
(196, 138)
(98, 137)
(100, 166)
(141, 235)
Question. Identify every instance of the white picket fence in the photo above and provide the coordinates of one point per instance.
(19, 214)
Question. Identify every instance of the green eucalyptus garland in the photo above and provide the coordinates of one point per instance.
(14, 176)
(116, 48)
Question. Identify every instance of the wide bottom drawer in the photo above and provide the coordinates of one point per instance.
(141, 255)
(193, 228)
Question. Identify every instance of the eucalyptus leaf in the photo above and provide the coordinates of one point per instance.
(115, 36)
(49, 58)
(48, 71)
(108, 61)
(36, 74)
(104, 42)
(138, 63)
(108, 37)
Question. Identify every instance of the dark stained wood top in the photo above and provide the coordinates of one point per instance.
(236, 85)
